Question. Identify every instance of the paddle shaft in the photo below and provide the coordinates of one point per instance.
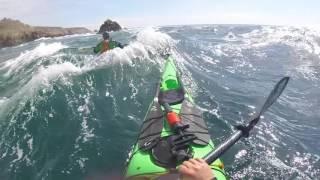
(222, 148)
(243, 131)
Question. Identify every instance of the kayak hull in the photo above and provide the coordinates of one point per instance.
(141, 163)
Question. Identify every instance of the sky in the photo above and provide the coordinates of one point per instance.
(139, 13)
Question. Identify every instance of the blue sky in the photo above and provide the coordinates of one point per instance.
(130, 13)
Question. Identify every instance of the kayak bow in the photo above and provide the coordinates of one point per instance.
(173, 130)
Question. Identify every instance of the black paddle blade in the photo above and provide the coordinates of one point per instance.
(275, 93)
(243, 131)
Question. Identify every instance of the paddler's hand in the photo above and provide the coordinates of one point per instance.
(195, 169)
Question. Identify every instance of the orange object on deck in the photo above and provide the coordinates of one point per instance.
(173, 118)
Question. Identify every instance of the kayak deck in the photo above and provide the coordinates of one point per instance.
(141, 164)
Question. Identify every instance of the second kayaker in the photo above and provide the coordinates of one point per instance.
(106, 44)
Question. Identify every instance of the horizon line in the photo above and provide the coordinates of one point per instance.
(94, 27)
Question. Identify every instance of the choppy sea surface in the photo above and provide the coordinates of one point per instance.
(66, 113)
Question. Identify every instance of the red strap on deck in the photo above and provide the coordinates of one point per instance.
(173, 118)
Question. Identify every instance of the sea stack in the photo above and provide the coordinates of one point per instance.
(108, 26)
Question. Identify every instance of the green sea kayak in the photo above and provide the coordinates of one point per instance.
(173, 131)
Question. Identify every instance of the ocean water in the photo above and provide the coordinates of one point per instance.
(66, 113)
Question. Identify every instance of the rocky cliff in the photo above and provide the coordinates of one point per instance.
(108, 26)
(14, 32)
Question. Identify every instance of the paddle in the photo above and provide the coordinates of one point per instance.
(243, 130)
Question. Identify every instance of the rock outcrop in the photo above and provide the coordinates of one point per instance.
(108, 26)
(14, 32)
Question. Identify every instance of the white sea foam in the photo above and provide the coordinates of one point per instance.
(43, 38)
(134, 90)
(30, 143)
(84, 110)
(19, 152)
(27, 57)
(301, 38)
(52, 72)
(41, 80)
(217, 50)
(82, 162)
(154, 39)
(241, 154)
(3, 100)
(251, 106)
(207, 59)
(230, 37)
(307, 71)
(148, 42)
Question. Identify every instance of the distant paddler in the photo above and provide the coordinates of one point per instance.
(106, 44)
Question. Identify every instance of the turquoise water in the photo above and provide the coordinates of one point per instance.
(66, 113)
